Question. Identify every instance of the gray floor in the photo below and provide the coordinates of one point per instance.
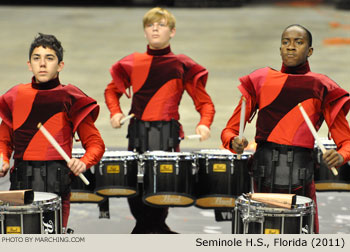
(230, 42)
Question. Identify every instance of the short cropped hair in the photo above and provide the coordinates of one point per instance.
(308, 33)
(47, 41)
(156, 14)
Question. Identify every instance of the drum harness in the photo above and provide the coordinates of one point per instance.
(153, 135)
(276, 151)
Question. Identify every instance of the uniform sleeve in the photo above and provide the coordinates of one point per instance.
(119, 85)
(6, 146)
(91, 141)
(340, 133)
(112, 96)
(232, 127)
(202, 102)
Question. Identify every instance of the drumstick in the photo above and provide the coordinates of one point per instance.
(1, 161)
(59, 149)
(314, 133)
(122, 121)
(193, 137)
(241, 122)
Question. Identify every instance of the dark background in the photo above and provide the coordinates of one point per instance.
(342, 4)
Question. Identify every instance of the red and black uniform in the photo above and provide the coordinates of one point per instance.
(157, 79)
(63, 110)
(276, 94)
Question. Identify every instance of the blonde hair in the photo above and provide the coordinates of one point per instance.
(156, 14)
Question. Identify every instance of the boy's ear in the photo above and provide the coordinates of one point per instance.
(311, 50)
(29, 66)
(60, 66)
(173, 32)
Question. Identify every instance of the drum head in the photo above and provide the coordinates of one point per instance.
(303, 204)
(214, 202)
(164, 155)
(85, 197)
(221, 154)
(169, 200)
(78, 152)
(116, 192)
(41, 202)
(327, 143)
(119, 155)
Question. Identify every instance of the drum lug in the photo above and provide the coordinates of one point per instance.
(125, 167)
(232, 166)
(100, 168)
(194, 166)
(155, 167)
(177, 166)
(140, 168)
(207, 164)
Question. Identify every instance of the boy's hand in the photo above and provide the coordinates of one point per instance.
(76, 166)
(204, 131)
(238, 144)
(332, 158)
(115, 120)
(5, 168)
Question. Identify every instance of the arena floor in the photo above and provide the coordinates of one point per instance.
(229, 42)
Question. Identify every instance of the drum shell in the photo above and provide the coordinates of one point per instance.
(82, 193)
(274, 220)
(169, 178)
(43, 216)
(220, 179)
(116, 175)
(325, 180)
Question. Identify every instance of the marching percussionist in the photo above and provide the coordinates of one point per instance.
(63, 110)
(157, 79)
(283, 161)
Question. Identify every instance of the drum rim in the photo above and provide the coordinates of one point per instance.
(261, 207)
(227, 156)
(37, 206)
(163, 155)
(128, 153)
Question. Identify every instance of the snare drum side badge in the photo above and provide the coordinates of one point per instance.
(271, 231)
(113, 169)
(13, 230)
(219, 167)
(166, 168)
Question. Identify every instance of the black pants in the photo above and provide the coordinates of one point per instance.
(143, 136)
(149, 220)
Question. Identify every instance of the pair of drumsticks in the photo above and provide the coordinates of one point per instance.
(306, 118)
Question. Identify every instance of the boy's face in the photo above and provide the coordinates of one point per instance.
(158, 34)
(295, 47)
(44, 64)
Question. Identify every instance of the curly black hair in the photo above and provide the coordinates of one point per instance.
(47, 41)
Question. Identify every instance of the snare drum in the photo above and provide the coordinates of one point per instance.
(222, 177)
(117, 174)
(43, 216)
(324, 178)
(259, 218)
(168, 178)
(80, 192)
